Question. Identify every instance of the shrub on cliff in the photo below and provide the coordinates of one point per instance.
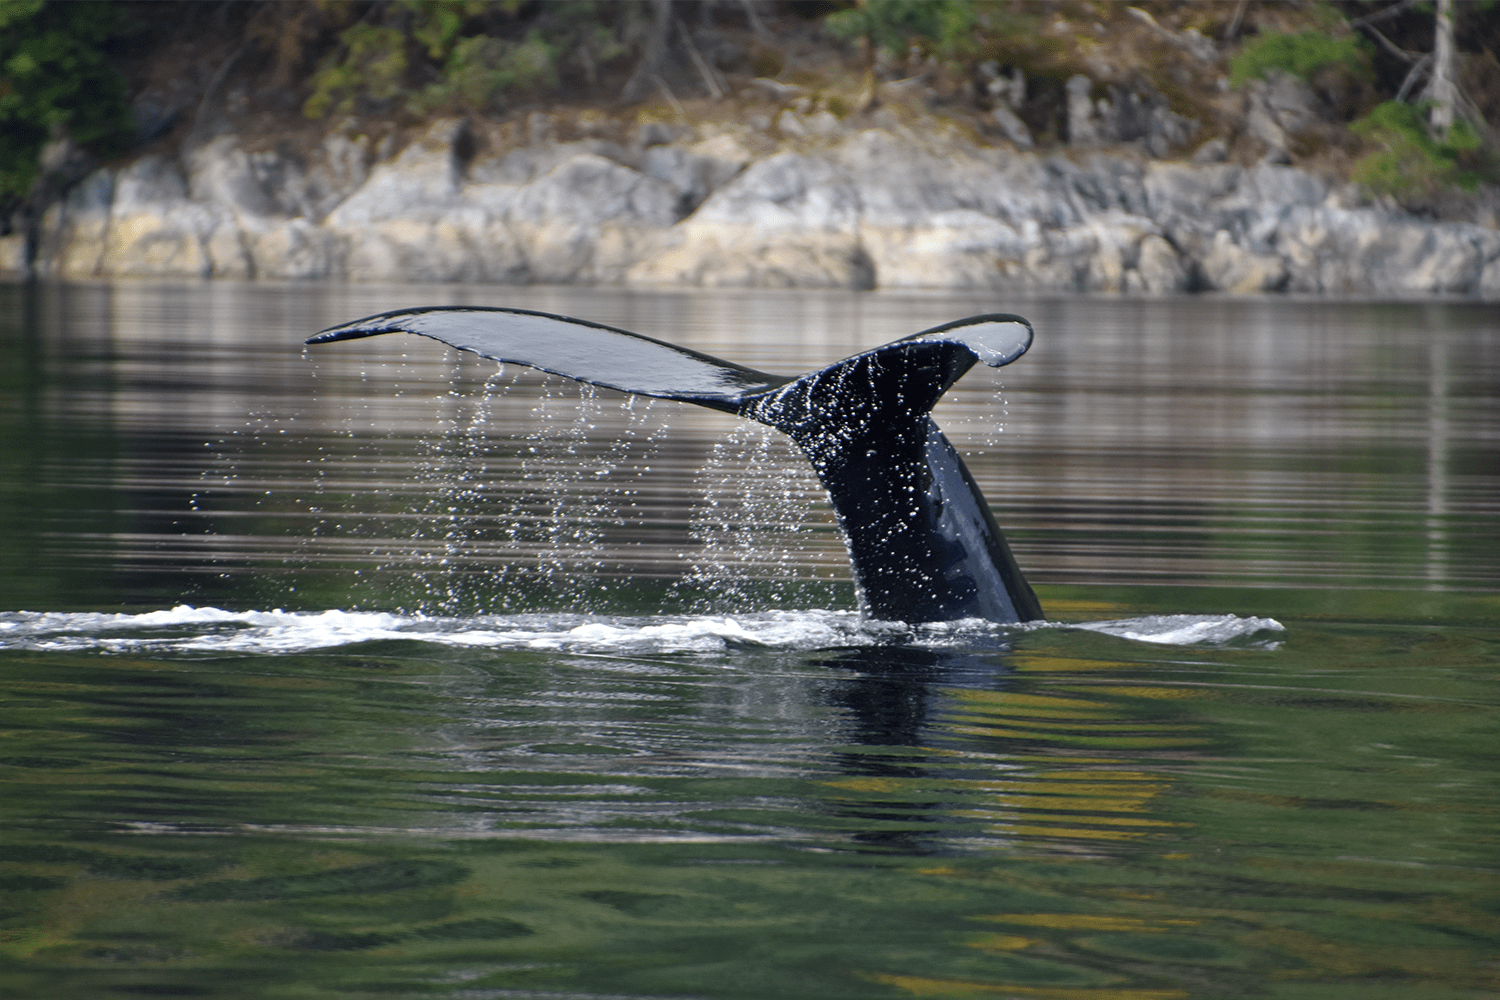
(56, 79)
(895, 25)
(1301, 55)
(1410, 164)
(428, 53)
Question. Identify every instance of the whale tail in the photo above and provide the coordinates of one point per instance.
(922, 542)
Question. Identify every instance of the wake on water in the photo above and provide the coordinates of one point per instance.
(213, 630)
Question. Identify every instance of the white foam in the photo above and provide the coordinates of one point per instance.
(1184, 630)
(191, 629)
(214, 630)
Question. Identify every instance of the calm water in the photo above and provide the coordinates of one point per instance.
(375, 671)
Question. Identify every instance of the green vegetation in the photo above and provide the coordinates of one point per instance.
(481, 66)
(1301, 55)
(1410, 163)
(1405, 158)
(55, 77)
(897, 25)
(405, 60)
(466, 51)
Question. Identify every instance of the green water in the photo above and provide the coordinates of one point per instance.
(582, 796)
(1078, 816)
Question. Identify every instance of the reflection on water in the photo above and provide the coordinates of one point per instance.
(1053, 813)
(156, 434)
(601, 754)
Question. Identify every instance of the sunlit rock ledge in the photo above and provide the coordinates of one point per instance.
(880, 208)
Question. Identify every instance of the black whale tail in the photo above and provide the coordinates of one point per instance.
(922, 542)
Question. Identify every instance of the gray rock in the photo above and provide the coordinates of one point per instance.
(13, 262)
(1342, 251)
(151, 180)
(590, 219)
(1142, 118)
(155, 231)
(526, 164)
(407, 222)
(657, 134)
(1203, 49)
(1160, 267)
(1265, 184)
(1012, 127)
(296, 250)
(1212, 151)
(342, 166)
(1083, 131)
(824, 123)
(541, 128)
(1191, 40)
(1277, 108)
(1489, 279)
(890, 207)
(696, 171)
(791, 124)
(221, 173)
(1230, 267)
(74, 231)
(158, 109)
(943, 217)
(1289, 99)
(789, 221)
(422, 182)
(775, 90)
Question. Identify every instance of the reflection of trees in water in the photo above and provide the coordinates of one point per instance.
(161, 443)
(949, 746)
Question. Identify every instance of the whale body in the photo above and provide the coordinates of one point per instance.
(922, 542)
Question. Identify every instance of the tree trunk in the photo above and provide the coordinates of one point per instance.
(648, 71)
(1442, 91)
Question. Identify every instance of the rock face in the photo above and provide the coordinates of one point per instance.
(829, 207)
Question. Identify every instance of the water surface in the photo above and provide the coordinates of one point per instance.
(377, 671)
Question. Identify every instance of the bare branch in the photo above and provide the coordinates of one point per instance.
(654, 58)
(671, 97)
(1418, 70)
(756, 24)
(1382, 14)
(704, 69)
(1235, 21)
(1388, 45)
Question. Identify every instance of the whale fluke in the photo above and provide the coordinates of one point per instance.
(922, 542)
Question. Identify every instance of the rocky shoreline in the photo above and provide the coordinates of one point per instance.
(804, 201)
